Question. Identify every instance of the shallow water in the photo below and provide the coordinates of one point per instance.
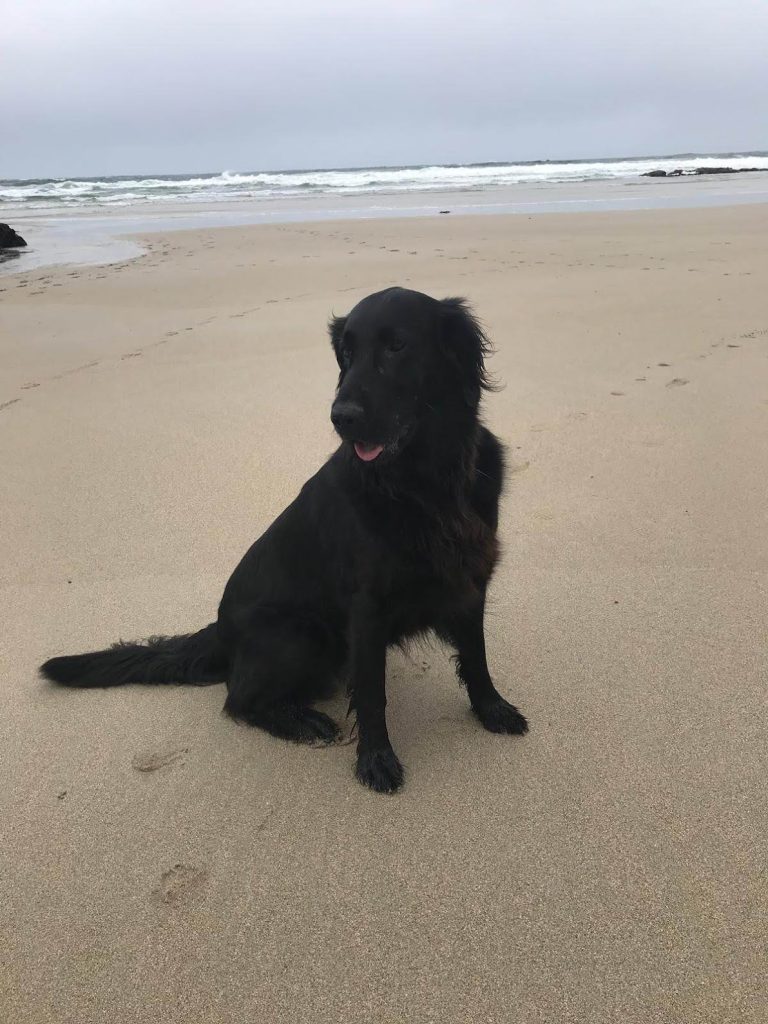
(87, 236)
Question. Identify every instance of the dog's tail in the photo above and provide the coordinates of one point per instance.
(197, 659)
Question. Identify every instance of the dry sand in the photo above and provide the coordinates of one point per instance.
(161, 864)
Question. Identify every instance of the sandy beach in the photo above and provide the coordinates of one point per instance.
(160, 863)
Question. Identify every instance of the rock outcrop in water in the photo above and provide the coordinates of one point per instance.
(725, 170)
(679, 172)
(9, 239)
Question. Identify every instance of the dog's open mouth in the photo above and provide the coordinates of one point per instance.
(368, 452)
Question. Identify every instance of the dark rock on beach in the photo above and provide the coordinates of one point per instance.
(9, 239)
(679, 172)
(725, 170)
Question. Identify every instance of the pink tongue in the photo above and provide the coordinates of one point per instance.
(368, 453)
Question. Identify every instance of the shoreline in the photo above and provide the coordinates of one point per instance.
(98, 237)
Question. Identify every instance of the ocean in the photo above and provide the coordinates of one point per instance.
(102, 220)
(178, 190)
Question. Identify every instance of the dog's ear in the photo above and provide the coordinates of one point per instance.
(468, 346)
(336, 327)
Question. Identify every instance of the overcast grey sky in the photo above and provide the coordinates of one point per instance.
(93, 87)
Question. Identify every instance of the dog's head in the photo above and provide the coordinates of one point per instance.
(408, 363)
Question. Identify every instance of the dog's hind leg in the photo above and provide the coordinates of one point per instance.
(466, 633)
(267, 688)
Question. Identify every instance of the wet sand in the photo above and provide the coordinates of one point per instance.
(161, 863)
(97, 234)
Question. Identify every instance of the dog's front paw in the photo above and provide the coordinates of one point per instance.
(501, 716)
(380, 770)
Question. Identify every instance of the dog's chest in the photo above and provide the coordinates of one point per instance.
(439, 579)
(447, 556)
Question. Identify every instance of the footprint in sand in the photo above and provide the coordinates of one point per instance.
(31, 384)
(13, 401)
(159, 759)
(130, 355)
(180, 885)
(676, 382)
(619, 394)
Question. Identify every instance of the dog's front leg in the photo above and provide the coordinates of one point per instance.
(467, 632)
(377, 763)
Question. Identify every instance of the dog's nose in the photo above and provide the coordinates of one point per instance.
(346, 416)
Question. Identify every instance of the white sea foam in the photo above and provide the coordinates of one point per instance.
(231, 185)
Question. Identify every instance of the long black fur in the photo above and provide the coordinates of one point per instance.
(393, 537)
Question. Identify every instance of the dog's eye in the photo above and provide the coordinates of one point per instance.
(395, 344)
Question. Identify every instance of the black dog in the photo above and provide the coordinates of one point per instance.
(393, 537)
